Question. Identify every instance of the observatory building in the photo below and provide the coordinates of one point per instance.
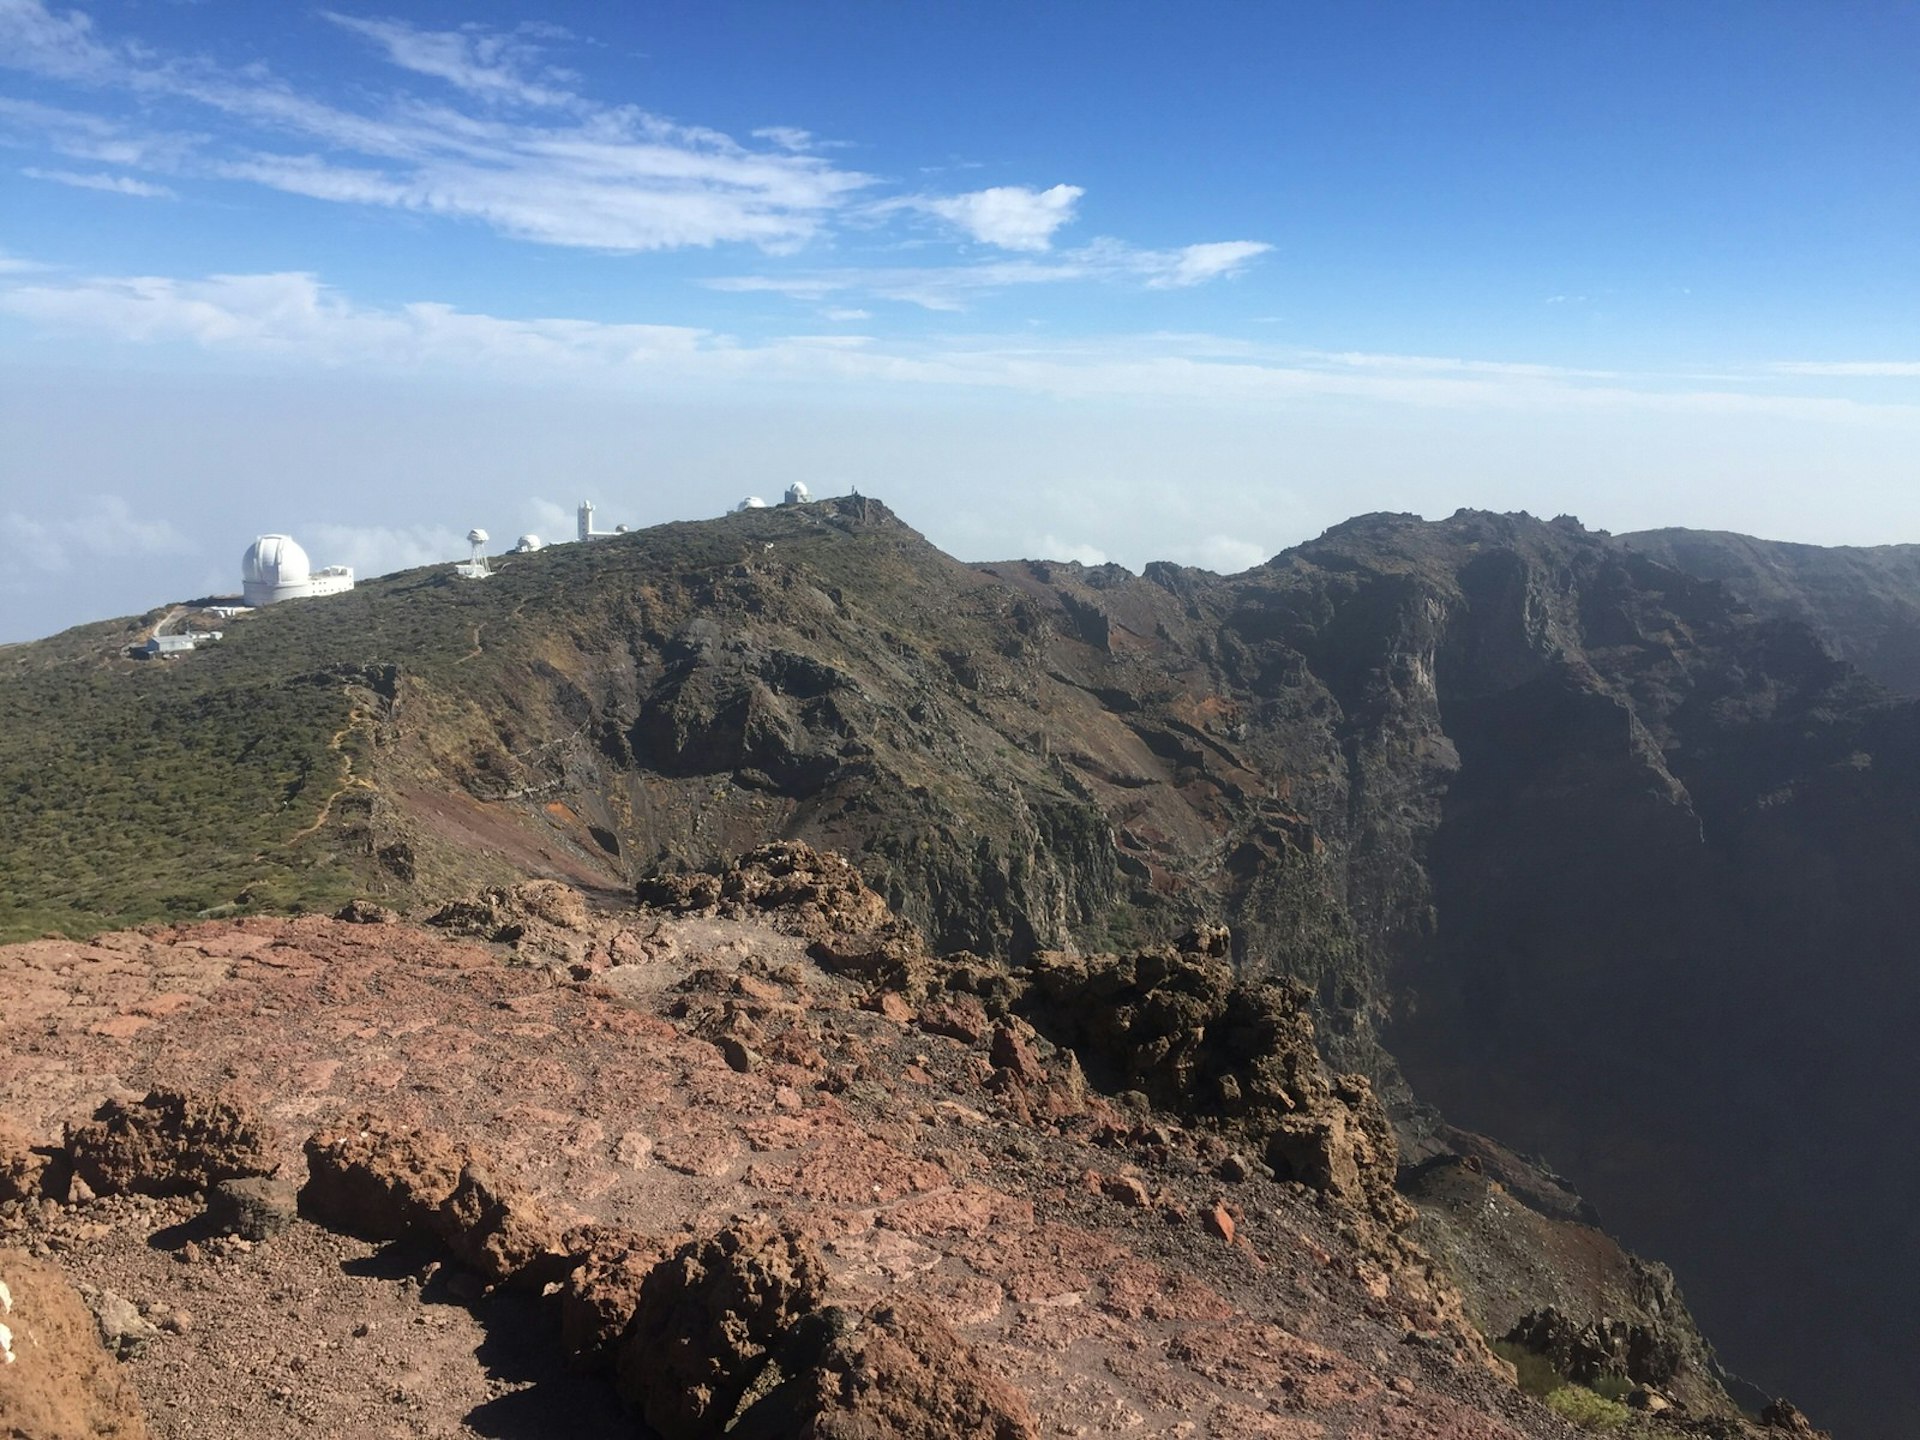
(752, 502)
(798, 494)
(275, 568)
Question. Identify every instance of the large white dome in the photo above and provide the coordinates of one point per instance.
(275, 561)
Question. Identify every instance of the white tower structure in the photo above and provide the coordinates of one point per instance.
(474, 567)
(275, 568)
(798, 494)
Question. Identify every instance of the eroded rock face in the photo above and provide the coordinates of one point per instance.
(814, 893)
(509, 913)
(901, 1374)
(170, 1143)
(387, 1182)
(56, 1380)
(379, 1181)
(1599, 1349)
(23, 1167)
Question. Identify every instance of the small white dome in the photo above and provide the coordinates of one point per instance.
(752, 502)
(477, 537)
(530, 543)
(798, 494)
(275, 561)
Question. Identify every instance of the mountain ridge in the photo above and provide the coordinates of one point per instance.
(1529, 812)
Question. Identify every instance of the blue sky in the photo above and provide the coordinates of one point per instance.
(1107, 280)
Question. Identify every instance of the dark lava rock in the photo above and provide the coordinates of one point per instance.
(256, 1208)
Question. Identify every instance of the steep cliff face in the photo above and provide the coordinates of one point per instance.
(1863, 601)
(1619, 867)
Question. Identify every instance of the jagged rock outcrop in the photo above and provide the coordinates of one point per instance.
(713, 1323)
(1183, 1027)
(169, 1143)
(387, 1183)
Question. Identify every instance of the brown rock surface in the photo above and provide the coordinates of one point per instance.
(711, 1318)
(56, 1381)
(862, 1164)
(172, 1142)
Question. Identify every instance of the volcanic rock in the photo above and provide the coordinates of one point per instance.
(170, 1143)
(710, 1319)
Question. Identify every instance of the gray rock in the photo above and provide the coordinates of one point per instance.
(255, 1208)
(123, 1329)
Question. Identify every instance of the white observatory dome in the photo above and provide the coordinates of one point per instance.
(752, 502)
(477, 537)
(798, 494)
(275, 568)
(530, 543)
(275, 561)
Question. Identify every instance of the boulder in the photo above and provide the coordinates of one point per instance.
(711, 1319)
(170, 1143)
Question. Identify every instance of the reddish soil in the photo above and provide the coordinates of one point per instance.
(665, 1076)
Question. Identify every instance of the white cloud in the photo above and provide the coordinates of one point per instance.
(950, 287)
(580, 173)
(1013, 217)
(96, 527)
(1050, 547)
(1222, 554)
(112, 184)
(382, 549)
(1197, 264)
(34, 38)
(610, 177)
(1860, 369)
(296, 319)
(502, 68)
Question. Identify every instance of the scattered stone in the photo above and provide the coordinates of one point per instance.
(1234, 1169)
(124, 1331)
(366, 912)
(1220, 1223)
(1127, 1190)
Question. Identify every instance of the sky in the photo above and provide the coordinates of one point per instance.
(1093, 279)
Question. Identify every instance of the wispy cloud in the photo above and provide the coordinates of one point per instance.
(1858, 369)
(949, 287)
(611, 177)
(382, 549)
(507, 139)
(299, 320)
(112, 184)
(97, 527)
(497, 67)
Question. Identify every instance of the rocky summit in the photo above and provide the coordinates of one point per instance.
(806, 984)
